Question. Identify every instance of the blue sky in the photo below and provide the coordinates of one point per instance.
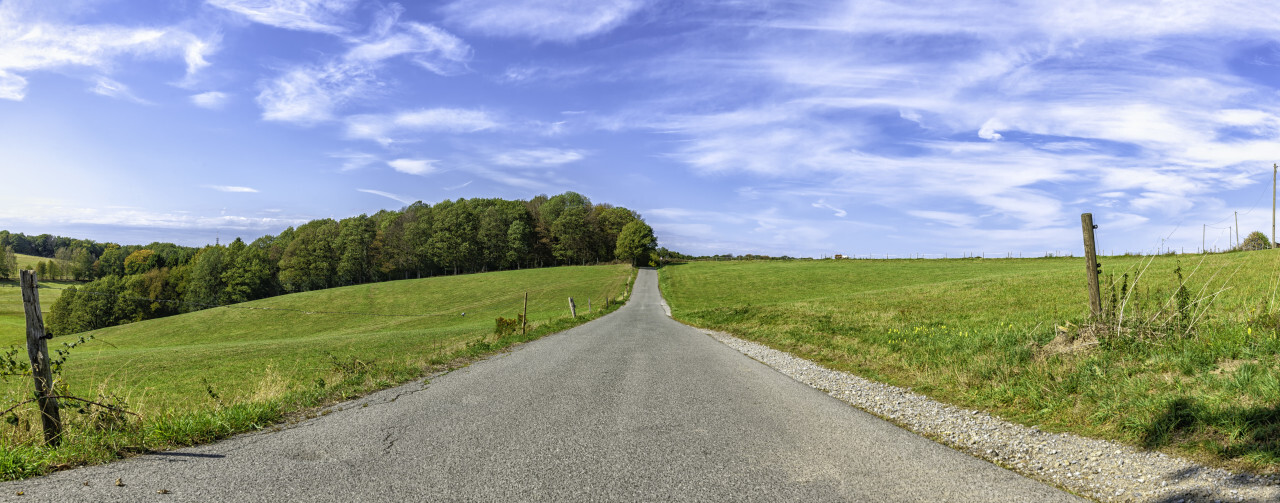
(800, 128)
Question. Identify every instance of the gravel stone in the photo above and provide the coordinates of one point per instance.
(1102, 470)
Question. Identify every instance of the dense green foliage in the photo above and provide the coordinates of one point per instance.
(1190, 365)
(637, 244)
(45, 245)
(1256, 240)
(8, 263)
(133, 283)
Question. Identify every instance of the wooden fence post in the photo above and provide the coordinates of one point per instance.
(524, 318)
(1091, 265)
(573, 310)
(588, 304)
(38, 352)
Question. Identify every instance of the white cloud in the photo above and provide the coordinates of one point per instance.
(385, 128)
(988, 130)
(1068, 102)
(540, 157)
(947, 217)
(1067, 22)
(12, 87)
(387, 195)
(541, 183)
(212, 100)
(543, 20)
(112, 89)
(445, 119)
(28, 45)
(231, 188)
(414, 166)
(355, 160)
(323, 16)
(65, 213)
(313, 93)
(912, 116)
(823, 204)
(526, 74)
(428, 46)
(679, 214)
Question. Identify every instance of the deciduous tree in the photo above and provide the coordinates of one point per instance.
(636, 243)
(8, 264)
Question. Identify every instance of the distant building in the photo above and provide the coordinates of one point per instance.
(839, 256)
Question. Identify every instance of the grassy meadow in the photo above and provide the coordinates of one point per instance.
(13, 320)
(204, 375)
(1196, 372)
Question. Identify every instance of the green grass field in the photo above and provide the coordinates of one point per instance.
(13, 320)
(200, 376)
(985, 334)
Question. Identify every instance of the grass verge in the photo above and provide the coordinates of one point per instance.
(203, 376)
(1191, 367)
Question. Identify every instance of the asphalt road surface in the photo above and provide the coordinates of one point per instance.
(631, 407)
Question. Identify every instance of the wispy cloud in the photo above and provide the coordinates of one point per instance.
(539, 157)
(113, 89)
(28, 45)
(312, 93)
(12, 87)
(387, 128)
(543, 20)
(414, 166)
(323, 16)
(67, 213)
(976, 115)
(823, 204)
(950, 218)
(427, 46)
(231, 188)
(387, 195)
(527, 74)
(213, 100)
(352, 160)
(459, 186)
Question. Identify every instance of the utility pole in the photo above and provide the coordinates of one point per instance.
(1237, 215)
(1202, 228)
(1274, 169)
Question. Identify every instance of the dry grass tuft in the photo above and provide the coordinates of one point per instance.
(273, 385)
(1069, 339)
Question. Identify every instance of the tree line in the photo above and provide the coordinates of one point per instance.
(133, 283)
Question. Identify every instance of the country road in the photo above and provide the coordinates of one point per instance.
(631, 407)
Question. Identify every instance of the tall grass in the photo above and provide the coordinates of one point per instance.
(1186, 358)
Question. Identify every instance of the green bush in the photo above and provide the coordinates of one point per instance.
(508, 326)
(1256, 240)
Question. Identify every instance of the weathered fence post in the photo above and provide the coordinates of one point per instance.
(524, 318)
(1091, 264)
(588, 304)
(38, 352)
(573, 310)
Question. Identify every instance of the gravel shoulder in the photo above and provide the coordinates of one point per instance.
(1099, 469)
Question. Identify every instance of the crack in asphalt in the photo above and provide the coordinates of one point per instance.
(389, 443)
